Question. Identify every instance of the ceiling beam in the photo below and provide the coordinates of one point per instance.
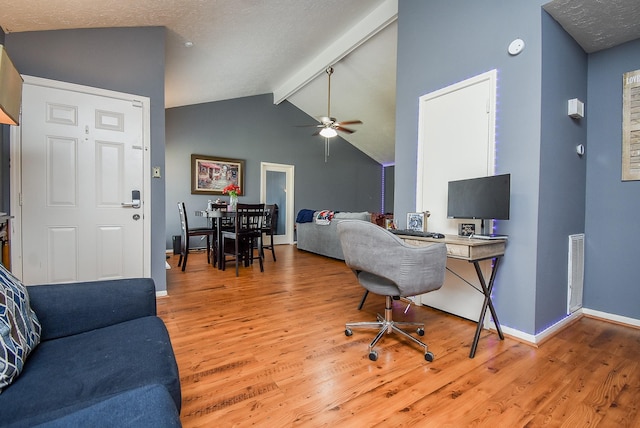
(373, 23)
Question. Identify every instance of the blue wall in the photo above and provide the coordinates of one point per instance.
(612, 283)
(127, 60)
(256, 130)
(562, 171)
(442, 43)
(389, 183)
(555, 193)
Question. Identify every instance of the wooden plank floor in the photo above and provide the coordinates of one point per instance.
(268, 349)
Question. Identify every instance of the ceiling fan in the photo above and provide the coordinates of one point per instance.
(330, 125)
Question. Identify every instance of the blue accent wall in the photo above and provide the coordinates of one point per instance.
(555, 193)
(256, 130)
(562, 171)
(389, 188)
(612, 283)
(442, 43)
(127, 60)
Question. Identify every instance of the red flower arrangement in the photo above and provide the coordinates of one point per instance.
(232, 189)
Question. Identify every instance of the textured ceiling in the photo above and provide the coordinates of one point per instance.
(250, 47)
(597, 24)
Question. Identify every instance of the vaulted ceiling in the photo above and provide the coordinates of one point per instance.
(223, 49)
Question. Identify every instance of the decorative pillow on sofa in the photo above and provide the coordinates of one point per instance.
(19, 327)
(365, 215)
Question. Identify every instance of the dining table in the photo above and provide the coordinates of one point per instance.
(217, 215)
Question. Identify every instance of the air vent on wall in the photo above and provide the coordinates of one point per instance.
(575, 272)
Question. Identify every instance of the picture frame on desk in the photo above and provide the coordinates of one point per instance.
(417, 222)
(466, 229)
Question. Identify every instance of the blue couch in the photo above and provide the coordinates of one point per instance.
(104, 359)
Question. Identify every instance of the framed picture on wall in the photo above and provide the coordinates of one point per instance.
(210, 174)
(416, 221)
(630, 108)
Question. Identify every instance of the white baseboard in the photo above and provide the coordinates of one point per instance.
(161, 293)
(619, 319)
(535, 339)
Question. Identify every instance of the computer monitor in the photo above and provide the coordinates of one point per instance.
(484, 198)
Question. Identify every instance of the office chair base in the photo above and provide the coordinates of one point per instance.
(387, 325)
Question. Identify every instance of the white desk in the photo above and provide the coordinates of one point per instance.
(473, 251)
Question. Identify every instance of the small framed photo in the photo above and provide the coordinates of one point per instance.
(210, 174)
(466, 229)
(417, 222)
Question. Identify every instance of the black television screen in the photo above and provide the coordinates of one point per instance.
(485, 198)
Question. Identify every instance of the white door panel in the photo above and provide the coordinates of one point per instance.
(456, 141)
(82, 155)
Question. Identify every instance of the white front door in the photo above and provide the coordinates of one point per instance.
(276, 187)
(82, 171)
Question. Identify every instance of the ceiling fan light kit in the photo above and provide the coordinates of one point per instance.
(328, 132)
(329, 126)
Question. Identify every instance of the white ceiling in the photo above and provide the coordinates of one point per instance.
(250, 47)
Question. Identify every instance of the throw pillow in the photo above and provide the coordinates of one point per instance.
(19, 327)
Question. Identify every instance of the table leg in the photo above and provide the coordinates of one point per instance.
(487, 302)
(220, 252)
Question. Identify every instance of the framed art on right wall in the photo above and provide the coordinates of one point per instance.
(631, 126)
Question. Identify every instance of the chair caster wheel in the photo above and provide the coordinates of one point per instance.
(429, 356)
(373, 355)
(420, 331)
(348, 332)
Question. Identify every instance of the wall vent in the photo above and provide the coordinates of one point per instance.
(575, 272)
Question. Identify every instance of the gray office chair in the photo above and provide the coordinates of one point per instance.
(384, 264)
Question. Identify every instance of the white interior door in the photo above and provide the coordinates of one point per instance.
(83, 191)
(277, 188)
(456, 140)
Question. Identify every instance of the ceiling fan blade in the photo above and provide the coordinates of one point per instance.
(347, 130)
(316, 133)
(317, 125)
(349, 122)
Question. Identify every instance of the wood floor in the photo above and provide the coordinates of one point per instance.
(269, 350)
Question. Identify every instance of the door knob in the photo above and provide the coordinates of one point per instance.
(135, 200)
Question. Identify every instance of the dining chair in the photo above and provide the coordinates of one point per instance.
(384, 264)
(187, 232)
(224, 223)
(270, 228)
(246, 235)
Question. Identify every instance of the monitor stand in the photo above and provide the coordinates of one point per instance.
(485, 235)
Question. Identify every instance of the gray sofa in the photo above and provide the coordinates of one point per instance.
(104, 359)
(323, 239)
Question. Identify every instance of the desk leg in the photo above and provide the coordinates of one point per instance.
(487, 302)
